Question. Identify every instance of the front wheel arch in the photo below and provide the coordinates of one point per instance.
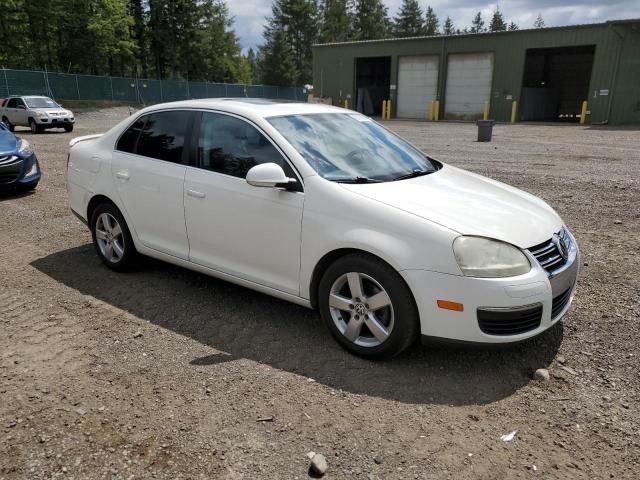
(328, 259)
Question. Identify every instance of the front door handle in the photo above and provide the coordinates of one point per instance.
(122, 175)
(195, 193)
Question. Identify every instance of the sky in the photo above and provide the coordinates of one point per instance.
(250, 14)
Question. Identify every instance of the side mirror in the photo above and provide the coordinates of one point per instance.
(268, 175)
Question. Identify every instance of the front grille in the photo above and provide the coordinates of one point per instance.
(509, 321)
(7, 159)
(548, 255)
(10, 168)
(559, 302)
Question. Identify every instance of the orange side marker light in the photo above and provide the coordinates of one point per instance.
(448, 305)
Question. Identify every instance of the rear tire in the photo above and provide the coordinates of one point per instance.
(112, 238)
(6, 121)
(361, 288)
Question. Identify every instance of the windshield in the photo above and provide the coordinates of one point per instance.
(40, 102)
(349, 147)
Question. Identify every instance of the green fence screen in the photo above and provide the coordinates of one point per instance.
(64, 86)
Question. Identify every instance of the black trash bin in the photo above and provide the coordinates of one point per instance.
(485, 129)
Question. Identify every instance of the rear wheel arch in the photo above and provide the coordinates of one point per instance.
(97, 200)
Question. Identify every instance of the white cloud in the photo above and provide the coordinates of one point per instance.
(250, 14)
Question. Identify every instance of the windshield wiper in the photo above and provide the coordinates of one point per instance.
(415, 173)
(358, 180)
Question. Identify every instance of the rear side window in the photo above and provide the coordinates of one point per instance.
(163, 136)
(11, 103)
(129, 139)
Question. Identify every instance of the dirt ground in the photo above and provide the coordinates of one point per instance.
(165, 373)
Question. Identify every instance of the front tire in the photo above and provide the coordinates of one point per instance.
(368, 307)
(35, 128)
(68, 128)
(111, 237)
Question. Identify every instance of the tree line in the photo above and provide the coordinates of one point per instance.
(195, 39)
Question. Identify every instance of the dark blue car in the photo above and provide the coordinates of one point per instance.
(19, 168)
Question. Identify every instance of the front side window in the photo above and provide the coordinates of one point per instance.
(19, 102)
(232, 146)
(163, 136)
(349, 147)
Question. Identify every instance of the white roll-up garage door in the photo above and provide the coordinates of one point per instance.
(417, 85)
(469, 77)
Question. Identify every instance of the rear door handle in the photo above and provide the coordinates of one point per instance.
(122, 175)
(195, 193)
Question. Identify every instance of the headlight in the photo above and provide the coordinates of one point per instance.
(25, 148)
(483, 257)
(42, 114)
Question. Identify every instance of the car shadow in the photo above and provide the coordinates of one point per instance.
(241, 323)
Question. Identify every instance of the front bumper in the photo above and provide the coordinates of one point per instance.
(55, 122)
(13, 172)
(490, 303)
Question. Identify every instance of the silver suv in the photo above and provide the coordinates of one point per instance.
(37, 113)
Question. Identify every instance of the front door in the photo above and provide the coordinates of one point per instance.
(249, 232)
(148, 172)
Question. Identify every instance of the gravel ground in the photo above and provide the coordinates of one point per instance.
(165, 373)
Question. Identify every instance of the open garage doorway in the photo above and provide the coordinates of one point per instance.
(373, 78)
(555, 83)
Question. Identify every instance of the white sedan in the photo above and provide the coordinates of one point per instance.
(326, 208)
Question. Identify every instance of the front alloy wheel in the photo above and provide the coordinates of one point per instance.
(367, 306)
(361, 309)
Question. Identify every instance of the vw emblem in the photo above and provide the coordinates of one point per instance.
(561, 245)
(360, 309)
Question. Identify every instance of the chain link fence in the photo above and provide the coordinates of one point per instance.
(64, 86)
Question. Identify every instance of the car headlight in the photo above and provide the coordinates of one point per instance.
(484, 257)
(42, 114)
(25, 148)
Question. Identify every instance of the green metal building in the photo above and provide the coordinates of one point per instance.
(548, 73)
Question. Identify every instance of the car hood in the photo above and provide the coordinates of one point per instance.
(8, 143)
(469, 204)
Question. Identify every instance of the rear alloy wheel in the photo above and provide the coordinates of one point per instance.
(111, 237)
(6, 121)
(368, 307)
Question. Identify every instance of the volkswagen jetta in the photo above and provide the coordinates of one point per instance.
(326, 208)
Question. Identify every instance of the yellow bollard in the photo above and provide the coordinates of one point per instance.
(346, 103)
(388, 109)
(485, 113)
(436, 110)
(384, 109)
(514, 111)
(430, 112)
(583, 113)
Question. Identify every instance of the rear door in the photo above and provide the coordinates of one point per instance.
(148, 170)
(245, 231)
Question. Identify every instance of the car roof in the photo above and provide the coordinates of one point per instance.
(258, 107)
